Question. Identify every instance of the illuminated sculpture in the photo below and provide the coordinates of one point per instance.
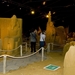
(10, 33)
(50, 30)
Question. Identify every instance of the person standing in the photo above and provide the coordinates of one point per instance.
(33, 40)
(42, 39)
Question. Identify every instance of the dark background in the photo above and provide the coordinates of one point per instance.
(64, 12)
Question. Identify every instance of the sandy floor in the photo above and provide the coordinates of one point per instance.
(37, 67)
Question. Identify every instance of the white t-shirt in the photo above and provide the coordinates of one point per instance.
(42, 37)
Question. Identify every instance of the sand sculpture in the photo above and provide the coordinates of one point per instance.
(10, 33)
(38, 34)
(69, 62)
(60, 35)
(67, 30)
(67, 46)
(50, 30)
(54, 34)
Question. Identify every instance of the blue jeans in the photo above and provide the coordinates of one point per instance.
(42, 43)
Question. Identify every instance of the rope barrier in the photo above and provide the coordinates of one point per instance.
(5, 56)
(52, 46)
(24, 56)
(56, 44)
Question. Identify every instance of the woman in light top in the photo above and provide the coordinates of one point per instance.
(42, 39)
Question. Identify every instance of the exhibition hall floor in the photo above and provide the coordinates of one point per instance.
(37, 67)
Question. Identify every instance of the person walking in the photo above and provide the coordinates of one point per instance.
(33, 40)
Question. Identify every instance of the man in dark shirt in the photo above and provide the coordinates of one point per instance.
(33, 40)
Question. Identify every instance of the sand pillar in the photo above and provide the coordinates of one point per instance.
(69, 62)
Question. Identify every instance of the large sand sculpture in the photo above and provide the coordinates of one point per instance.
(50, 30)
(54, 34)
(10, 33)
(60, 35)
(69, 62)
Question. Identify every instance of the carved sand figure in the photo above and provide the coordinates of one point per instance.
(67, 46)
(69, 62)
(50, 30)
(11, 32)
(60, 35)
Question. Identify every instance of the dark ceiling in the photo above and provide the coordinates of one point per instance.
(62, 11)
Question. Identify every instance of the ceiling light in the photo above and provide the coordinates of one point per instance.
(32, 12)
(20, 8)
(53, 12)
(8, 5)
(47, 16)
(44, 3)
